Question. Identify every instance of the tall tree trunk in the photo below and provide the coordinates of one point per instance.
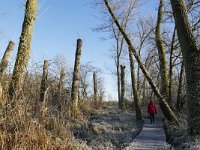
(123, 101)
(168, 113)
(146, 65)
(24, 48)
(43, 86)
(180, 88)
(4, 64)
(61, 81)
(138, 77)
(134, 88)
(118, 84)
(76, 78)
(95, 90)
(162, 56)
(171, 65)
(144, 93)
(5, 59)
(191, 58)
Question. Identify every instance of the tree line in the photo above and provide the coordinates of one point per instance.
(182, 49)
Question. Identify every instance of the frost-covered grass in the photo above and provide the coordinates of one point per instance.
(109, 128)
(178, 136)
(24, 125)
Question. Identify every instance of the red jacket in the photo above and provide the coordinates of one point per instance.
(152, 107)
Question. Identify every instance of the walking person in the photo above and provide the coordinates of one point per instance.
(152, 110)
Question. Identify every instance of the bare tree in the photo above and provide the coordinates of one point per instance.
(144, 30)
(76, 78)
(191, 58)
(162, 55)
(134, 88)
(123, 100)
(24, 48)
(168, 113)
(86, 72)
(43, 86)
(100, 90)
(126, 15)
(95, 90)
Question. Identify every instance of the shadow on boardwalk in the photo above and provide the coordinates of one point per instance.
(152, 137)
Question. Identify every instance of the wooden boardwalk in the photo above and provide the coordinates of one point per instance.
(152, 137)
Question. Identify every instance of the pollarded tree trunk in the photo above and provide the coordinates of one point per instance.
(180, 88)
(191, 58)
(4, 64)
(134, 88)
(61, 81)
(24, 48)
(95, 90)
(43, 86)
(5, 59)
(123, 101)
(162, 56)
(76, 78)
(168, 113)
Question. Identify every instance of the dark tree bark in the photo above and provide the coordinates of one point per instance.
(119, 48)
(171, 65)
(180, 88)
(24, 48)
(123, 101)
(134, 88)
(162, 56)
(168, 113)
(191, 58)
(76, 78)
(118, 83)
(43, 86)
(95, 90)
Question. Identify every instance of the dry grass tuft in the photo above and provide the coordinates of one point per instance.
(23, 125)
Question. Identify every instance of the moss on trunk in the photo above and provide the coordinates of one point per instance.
(24, 49)
(162, 56)
(134, 88)
(3, 66)
(168, 113)
(76, 78)
(191, 58)
(5, 59)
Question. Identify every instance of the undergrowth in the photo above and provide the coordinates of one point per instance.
(26, 125)
(178, 137)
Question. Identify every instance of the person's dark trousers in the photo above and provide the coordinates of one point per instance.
(152, 117)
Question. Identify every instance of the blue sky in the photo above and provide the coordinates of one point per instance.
(58, 25)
